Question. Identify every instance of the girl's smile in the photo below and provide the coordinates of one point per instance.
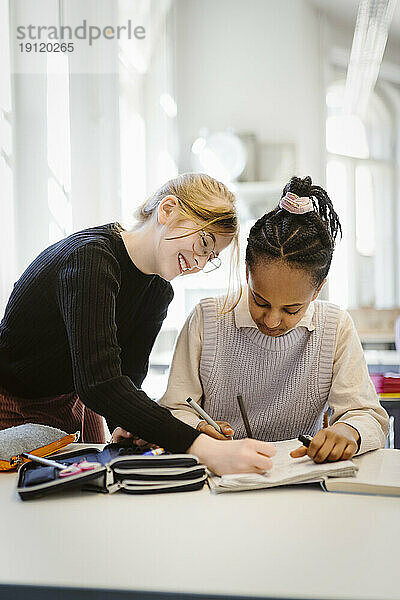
(183, 264)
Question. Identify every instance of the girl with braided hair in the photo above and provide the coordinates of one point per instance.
(288, 354)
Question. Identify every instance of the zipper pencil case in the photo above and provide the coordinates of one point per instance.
(115, 468)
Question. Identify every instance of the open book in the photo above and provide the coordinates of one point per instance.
(286, 470)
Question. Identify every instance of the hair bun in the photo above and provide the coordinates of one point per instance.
(301, 187)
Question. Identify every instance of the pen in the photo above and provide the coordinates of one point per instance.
(244, 416)
(203, 414)
(305, 440)
(154, 452)
(43, 461)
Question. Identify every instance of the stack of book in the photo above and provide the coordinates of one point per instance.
(386, 383)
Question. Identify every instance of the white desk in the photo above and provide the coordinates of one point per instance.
(295, 542)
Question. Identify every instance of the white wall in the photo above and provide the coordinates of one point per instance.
(253, 66)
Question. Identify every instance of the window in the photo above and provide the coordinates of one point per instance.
(360, 182)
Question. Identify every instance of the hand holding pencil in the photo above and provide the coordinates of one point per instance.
(240, 456)
(337, 442)
(220, 430)
(227, 431)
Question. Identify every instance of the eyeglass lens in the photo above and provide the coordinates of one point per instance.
(204, 245)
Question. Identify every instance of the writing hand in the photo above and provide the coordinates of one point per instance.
(239, 456)
(227, 431)
(338, 442)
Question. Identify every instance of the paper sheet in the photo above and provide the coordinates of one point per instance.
(285, 470)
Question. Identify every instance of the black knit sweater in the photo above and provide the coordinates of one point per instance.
(83, 318)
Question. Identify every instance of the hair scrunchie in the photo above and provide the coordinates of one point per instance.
(295, 204)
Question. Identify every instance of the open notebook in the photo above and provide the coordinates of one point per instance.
(286, 470)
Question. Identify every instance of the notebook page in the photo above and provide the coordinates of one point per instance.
(285, 470)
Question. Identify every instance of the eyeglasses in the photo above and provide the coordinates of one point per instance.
(205, 246)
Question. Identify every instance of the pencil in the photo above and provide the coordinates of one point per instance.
(203, 414)
(244, 416)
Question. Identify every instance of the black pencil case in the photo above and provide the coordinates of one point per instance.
(119, 469)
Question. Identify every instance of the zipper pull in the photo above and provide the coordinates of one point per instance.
(114, 487)
(16, 461)
(110, 478)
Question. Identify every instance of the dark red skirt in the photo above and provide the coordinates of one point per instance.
(66, 412)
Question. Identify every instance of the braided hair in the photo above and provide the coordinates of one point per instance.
(304, 240)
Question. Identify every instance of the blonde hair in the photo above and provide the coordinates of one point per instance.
(208, 203)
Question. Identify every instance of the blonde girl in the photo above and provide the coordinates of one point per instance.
(82, 319)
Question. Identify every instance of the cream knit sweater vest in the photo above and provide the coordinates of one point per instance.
(284, 381)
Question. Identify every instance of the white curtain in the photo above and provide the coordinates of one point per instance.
(7, 221)
(84, 136)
